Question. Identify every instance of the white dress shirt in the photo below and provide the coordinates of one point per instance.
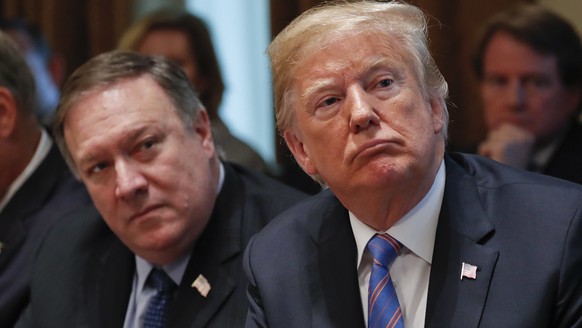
(411, 270)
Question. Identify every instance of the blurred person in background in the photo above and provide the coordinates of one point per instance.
(36, 186)
(529, 63)
(47, 66)
(185, 39)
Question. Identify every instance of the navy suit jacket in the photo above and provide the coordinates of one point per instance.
(83, 274)
(47, 195)
(522, 230)
(566, 162)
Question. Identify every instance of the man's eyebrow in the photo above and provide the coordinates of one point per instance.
(374, 64)
(386, 63)
(316, 86)
(128, 137)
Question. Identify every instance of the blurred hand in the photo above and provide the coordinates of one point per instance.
(509, 144)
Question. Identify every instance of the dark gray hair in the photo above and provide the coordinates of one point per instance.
(112, 67)
(15, 75)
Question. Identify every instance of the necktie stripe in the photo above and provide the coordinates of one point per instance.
(377, 290)
(394, 321)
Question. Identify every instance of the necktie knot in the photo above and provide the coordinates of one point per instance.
(384, 249)
(160, 281)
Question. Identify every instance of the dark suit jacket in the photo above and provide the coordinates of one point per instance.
(48, 194)
(83, 274)
(522, 230)
(566, 162)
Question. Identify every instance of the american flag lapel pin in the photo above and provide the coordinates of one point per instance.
(468, 271)
(202, 285)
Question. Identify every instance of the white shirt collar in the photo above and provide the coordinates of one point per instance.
(416, 230)
(41, 152)
(175, 270)
(220, 177)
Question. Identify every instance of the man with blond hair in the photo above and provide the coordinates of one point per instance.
(406, 235)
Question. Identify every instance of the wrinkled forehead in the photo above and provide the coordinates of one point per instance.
(349, 56)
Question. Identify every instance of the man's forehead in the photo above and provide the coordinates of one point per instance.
(331, 73)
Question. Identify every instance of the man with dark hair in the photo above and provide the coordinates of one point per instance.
(165, 242)
(529, 63)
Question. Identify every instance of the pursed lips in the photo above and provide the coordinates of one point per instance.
(371, 147)
(145, 211)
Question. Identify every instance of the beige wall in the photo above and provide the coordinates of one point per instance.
(570, 9)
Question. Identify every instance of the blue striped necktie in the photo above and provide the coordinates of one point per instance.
(157, 310)
(383, 307)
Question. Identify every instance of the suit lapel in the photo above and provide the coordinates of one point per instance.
(211, 259)
(108, 281)
(27, 200)
(334, 289)
(566, 161)
(462, 229)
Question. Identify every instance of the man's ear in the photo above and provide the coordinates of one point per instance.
(201, 127)
(438, 114)
(299, 152)
(8, 111)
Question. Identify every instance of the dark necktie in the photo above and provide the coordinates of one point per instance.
(157, 310)
(383, 307)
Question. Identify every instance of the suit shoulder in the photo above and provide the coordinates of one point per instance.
(513, 195)
(303, 219)
(80, 229)
(491, 174)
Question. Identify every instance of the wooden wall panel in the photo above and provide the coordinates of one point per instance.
(104, 33)
(76, 29)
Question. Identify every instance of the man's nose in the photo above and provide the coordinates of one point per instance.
(130, 182)
(516, 95)
(362, 113)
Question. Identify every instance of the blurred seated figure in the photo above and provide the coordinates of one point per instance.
(47, 67)
(36, 187)
(185, 39)
(529, 63)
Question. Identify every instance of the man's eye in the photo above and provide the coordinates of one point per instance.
(385, 83)
(496, 81)
(98, 168)
(148, 144)
(147, 149)
(328, 102)
(540, 83)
